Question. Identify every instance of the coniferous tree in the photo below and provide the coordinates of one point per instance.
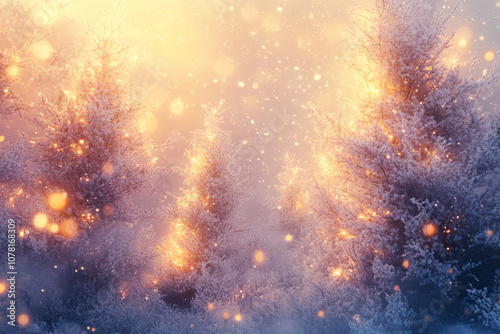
(201, 249)
(399, 200)
(90, 160)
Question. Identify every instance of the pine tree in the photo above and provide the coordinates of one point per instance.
(399, 200)
(200, 251)
(90, 159)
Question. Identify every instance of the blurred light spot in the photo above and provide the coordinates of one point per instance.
(489, 56)
(224, 67)
(462, 43)
(489, 233)
(176, 107)
(406, 264)
(317, 77)
(40, 220)
(288, 237)
(42, 50)
(148, 123)
(3, 288)
(12, 71)
(396, 288)
(225, 315)
(259, 256)
(255, 85)
(337, 272)
(57, 201)
(429, 229)
(321, 314)
(237, 317)
(210, 306)
(54, 228)
(2, 138)
(108, 169)
(241, 84)
(23, 320)
(68, 228)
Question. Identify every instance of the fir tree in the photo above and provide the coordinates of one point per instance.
(200, 250)
(403, 180)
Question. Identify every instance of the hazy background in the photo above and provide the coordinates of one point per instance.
(267, 59)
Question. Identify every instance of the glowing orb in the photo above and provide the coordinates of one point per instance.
(54, 228)
(396, 288)
(489, 233)
(237, 317)
(321, 314)
(288, 237)
(317, 77)
(337, 272)
(489, 56)
(57, 201)
(225, 315)
(42, 50)
(3, 288)
(108, 169)
(13, 71)
(210, 306)
(2, 138)
(224, 67)
(462, 43)
(176, 107)
(429, 229)
(68, 228)
(406, 264)
(148, 123)
(259, 256)
(23, 320)
(40, 220)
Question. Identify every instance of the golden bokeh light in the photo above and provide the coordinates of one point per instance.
(489, 56)
(406, 264)
(42, 50)
(225, 315)
(337, 272)
(148, 123)
(396, 288)
(288, 237)
(40, 220)
(429, 229)
(68, 228)
(259, 257)
(237, 317)
(2, 138)
(224, 67)
(462, 43)
(489, 233)
(3, 288)
(57, 201)
(321, 314)
(176, 107)
(13, 71)
(54, 228)
(210, 306)
(23, 320)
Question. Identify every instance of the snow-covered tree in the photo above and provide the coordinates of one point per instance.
(404, 200)
(198, 257)
(90, 159)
